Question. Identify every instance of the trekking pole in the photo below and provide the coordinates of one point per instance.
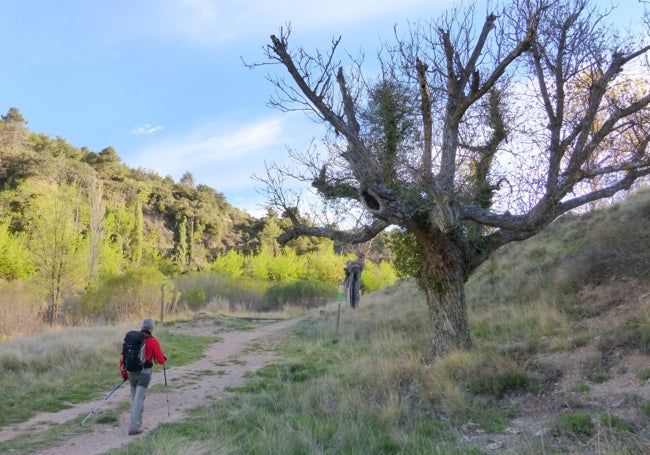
(166, 388)
(108, 395)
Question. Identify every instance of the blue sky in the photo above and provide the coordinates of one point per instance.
(162, 81)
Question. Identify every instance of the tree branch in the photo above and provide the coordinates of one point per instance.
(427, 121)
(360, 236)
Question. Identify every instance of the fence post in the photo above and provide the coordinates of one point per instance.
(340, 300)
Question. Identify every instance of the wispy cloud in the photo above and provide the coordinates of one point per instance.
(220, 154)
(215, 22)
(146, 129)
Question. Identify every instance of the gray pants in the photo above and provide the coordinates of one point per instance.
(139, 383)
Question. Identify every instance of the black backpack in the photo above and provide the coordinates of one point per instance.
(133, 350)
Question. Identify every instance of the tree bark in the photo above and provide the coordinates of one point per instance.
(442, 280)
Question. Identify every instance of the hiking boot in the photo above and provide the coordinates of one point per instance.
(134, 432)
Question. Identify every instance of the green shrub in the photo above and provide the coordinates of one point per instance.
(580, 388)
(195, 298)
(376, 276)
(494, 376)
(193, 291)
(614, 422)
(499, 378)
(575, 423)
(230, 264)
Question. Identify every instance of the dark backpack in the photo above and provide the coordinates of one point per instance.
(133, 350)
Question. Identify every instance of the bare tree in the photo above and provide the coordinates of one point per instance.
(464, 141)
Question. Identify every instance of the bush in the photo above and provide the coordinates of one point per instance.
(303, 293)
(498, 377)
(495, 376)
(134, 294)
(243, 292)
(193, 291)
(575, 423)
(614, 422)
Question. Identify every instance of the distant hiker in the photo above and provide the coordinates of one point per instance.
(139, 352)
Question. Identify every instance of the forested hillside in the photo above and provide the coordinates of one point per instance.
(83, 236)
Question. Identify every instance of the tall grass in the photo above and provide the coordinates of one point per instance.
(20, 308)
(45, 372)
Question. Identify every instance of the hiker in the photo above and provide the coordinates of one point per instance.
(140, 378)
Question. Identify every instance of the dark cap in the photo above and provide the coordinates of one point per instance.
(148, 324)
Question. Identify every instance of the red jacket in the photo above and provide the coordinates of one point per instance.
(152, 354)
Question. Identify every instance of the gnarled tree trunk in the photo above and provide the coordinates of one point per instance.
(442, 280)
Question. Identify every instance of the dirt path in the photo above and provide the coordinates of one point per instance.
(190, 386)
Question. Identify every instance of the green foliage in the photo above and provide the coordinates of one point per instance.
(57, 241)
(16, 260)
(407, 257)
(575, 423)
(111, 259)
(230, 264)
(614, 422)
(195, 298)
(283, 267)
(376, 276)
(259, 265)
(180, 238)
(389, 124)
(324, 265)
(137, 233)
